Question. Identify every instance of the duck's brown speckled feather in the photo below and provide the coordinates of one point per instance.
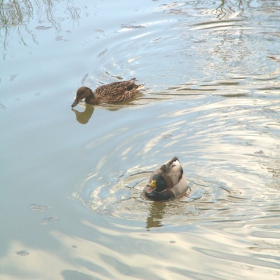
(111, 93)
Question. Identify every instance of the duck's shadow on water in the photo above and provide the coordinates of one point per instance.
(159, 211)
(156, 215)
(83, 117)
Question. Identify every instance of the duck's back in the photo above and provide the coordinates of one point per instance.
(117, 91)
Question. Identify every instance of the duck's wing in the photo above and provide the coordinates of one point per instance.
(116, 89)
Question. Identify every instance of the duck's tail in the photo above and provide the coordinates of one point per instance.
(134, 85)
(165, 167)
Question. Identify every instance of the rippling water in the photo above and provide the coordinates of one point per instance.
(72, 180)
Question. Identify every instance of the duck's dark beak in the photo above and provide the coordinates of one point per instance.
(75, 103)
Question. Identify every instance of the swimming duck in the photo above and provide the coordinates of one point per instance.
(111, 93)
(166, 182)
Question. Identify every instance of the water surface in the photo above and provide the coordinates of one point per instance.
(71, 203)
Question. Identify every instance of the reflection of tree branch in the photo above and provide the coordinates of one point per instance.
(50, 16)
(73, 13)
(21, 38)
(224, 10)
(32, 35)
(17, 15)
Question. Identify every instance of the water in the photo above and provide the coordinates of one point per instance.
(71, 203)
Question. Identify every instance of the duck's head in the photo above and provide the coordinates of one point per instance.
(157, 189)
(158, 183)
(82, 92)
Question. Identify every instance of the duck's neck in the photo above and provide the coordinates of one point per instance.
(91, 99)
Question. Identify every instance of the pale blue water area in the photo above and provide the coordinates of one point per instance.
(72, 180)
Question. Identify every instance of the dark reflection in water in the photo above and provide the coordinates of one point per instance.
(156, 215)
(83, 117)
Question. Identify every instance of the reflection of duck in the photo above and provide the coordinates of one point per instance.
(83, 117)
(167, 182)
(111, 93)
(157, 211)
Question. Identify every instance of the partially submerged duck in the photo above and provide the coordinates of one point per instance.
(111, 93)
(167, 182)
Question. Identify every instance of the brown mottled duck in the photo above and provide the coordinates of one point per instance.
(111, 93)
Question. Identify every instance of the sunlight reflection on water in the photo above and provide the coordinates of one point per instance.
(211, 71)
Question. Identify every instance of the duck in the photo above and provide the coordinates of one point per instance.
(111, 93)
(167, 182)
